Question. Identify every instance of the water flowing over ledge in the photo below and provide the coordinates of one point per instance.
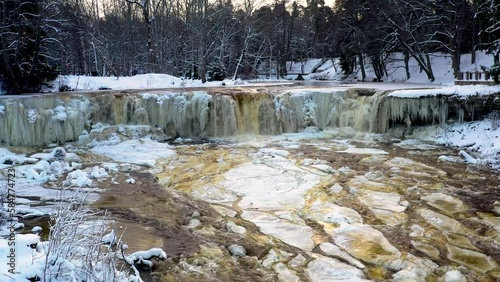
(44, 119)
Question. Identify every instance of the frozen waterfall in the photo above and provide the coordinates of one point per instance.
(43, 119)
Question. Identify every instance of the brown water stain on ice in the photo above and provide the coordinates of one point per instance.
(195, 166)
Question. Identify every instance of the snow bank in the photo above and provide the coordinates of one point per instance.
(441, 65)
(28, 262)
(478, 138)
(152, 253)
(460, 91)
(7, 158)
(41, 167)
(305, 66)
(142, 81)
(32, 260)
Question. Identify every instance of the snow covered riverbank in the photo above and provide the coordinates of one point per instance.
(479, 138)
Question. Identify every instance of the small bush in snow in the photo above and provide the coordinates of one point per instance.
(3, 212)
(74, 251)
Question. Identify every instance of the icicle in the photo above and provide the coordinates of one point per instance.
(40, 120)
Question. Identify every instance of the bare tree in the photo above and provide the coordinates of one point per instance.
(28, 39)
(412, 23)
(148, 10)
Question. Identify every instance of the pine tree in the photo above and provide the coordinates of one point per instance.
(216, 71)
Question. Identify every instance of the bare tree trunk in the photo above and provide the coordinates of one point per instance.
(474, 38)
(407, 64)
(241, 57)
(270, 59)
(149, 45)
(455, 62)
(458, 37)
(430, 73)
(362, 66)
(203, 60)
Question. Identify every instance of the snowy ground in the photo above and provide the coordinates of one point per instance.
(459, 91)
(159, 81)
(330, 70)
(143, 81)
(48, 183)
(478, 138)
(441, 64)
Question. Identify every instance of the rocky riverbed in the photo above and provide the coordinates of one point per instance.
(331, 205)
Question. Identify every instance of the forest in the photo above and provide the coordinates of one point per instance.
(210, 40)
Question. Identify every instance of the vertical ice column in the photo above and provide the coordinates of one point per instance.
(40, 120)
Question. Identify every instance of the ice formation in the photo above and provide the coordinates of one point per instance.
(42, 120)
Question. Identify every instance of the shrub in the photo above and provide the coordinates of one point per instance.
(216, 71)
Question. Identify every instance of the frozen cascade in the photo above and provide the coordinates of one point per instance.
(43, 119)
(34, 121)
(182, 114)
(434, 110)
(335, 109)
(428, 110)
(362, 112)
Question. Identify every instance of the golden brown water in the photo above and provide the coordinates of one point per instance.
(469, 193)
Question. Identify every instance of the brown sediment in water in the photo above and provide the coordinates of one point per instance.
(165, 213)
(147, 203)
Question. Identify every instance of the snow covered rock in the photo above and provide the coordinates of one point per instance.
(78, 178)
(36, 230)
(110, 238)
(454, 276)
(237, 250)
(193, 223)
(98, 172)
(58, 154)
(468, 158)
(144, 257)
(297, 261)
(233, 227)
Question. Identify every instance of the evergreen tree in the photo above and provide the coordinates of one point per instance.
(216, 71)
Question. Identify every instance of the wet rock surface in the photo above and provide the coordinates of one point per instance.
(406, 220)
(317, 209)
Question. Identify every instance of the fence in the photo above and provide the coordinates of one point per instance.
(476, 77)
